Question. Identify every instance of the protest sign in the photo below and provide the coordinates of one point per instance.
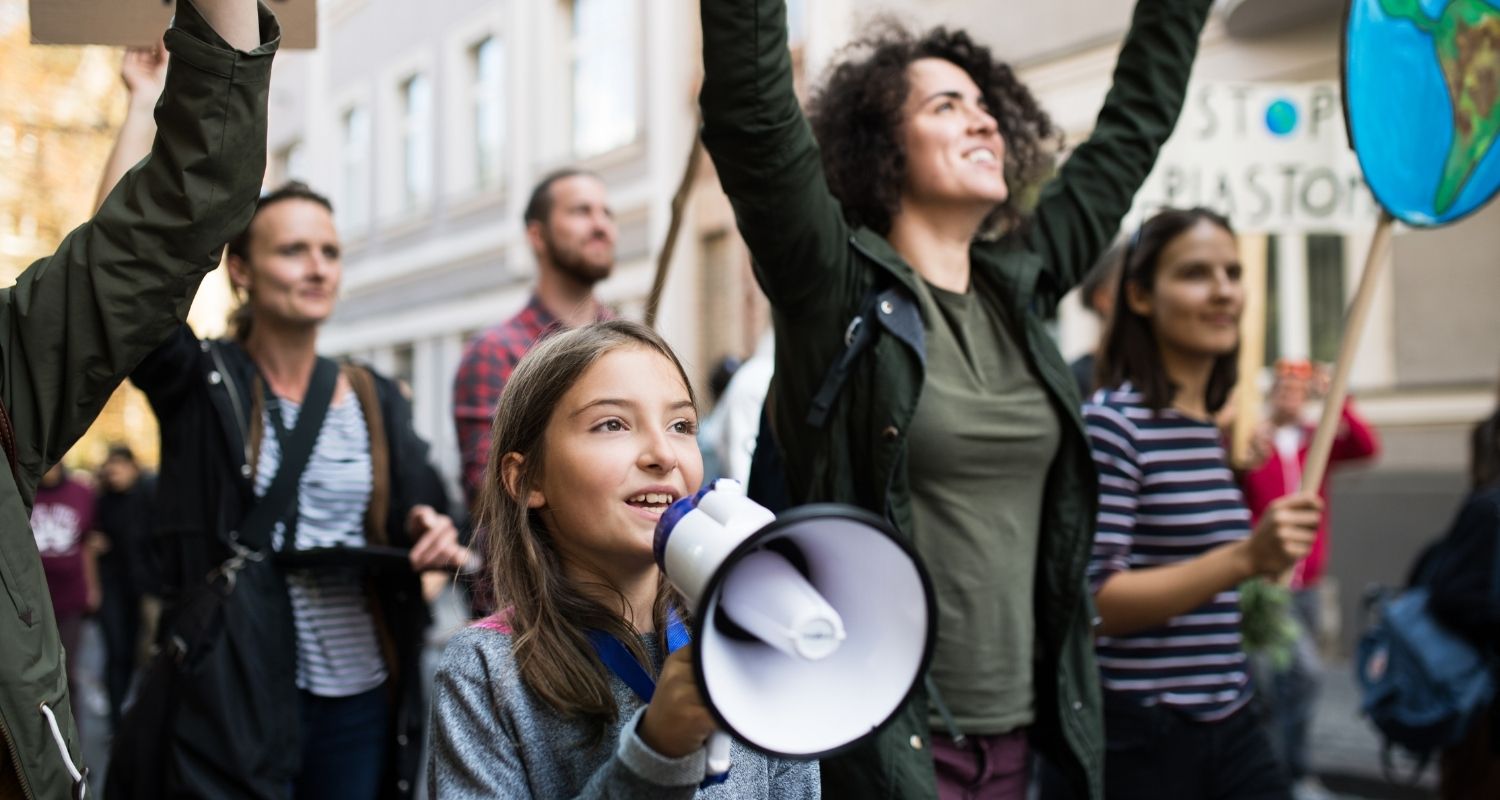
(139, 23)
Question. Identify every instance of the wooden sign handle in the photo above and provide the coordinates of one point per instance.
(1354, 326)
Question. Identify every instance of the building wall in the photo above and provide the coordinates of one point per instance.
(1447, 329)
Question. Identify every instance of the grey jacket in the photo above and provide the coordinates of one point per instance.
(493, 738)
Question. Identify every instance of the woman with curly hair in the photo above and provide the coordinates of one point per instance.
(914, 373)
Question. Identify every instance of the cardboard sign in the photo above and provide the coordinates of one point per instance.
(1273, 157)
(140, 23)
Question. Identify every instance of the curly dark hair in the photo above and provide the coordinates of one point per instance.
(856, 117)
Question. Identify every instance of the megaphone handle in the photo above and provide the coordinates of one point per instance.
(717, 766)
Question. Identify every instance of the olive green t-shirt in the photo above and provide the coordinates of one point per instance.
(980, 444)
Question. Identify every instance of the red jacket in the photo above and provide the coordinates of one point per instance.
(1276, 478)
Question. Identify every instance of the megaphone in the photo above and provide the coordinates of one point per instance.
(811, 629)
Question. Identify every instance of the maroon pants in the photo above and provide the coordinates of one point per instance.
(983, 767)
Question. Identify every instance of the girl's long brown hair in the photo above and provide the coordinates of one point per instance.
(546, 611)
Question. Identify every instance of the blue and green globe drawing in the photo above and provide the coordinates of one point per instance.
(1422, 94)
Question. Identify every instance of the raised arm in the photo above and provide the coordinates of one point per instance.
(144, 71)
(235, 21)
(765, 153)
(1080, 210)
(77, 322)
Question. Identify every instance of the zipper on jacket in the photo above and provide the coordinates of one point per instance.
(15, 760)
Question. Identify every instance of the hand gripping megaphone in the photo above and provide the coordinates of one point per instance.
(811, 628)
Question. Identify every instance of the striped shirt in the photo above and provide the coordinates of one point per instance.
(338, 654)
(1166, 495)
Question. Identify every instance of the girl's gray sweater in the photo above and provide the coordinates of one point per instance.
(493, 738)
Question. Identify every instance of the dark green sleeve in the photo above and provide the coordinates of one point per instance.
(765, 154)
(1080, 210)
(76, 323)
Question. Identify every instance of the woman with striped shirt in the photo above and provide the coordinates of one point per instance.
(310, 688)
(1174, 536)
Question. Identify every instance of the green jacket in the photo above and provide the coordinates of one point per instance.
(76, 323)
(815, 269)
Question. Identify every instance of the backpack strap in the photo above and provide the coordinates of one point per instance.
(198, 615)
(279, 501)
(859, 334)
(1388, 765)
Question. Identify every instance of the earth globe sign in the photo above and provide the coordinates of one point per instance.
(1281, 117)
(1422, 97)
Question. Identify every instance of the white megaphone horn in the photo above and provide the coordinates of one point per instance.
(811, 629)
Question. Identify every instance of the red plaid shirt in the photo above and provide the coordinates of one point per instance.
(487, 364)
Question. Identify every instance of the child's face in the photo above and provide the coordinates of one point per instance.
(621, 446)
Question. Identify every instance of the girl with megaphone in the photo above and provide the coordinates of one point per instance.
(582, 685)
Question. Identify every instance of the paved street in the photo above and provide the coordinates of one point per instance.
(1346, 752)
(1346, 749)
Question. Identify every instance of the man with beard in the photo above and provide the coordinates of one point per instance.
(571, 229)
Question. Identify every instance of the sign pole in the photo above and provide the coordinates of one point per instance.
(674, 227)
(1354, 326)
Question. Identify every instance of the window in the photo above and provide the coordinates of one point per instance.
(487, 59)
(605, 79)
(1325, 295)
(290, 163)
(719, 328)
(1304, 297)
(354, 181)
(416, 142)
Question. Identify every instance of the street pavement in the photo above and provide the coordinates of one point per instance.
(1345, 748)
